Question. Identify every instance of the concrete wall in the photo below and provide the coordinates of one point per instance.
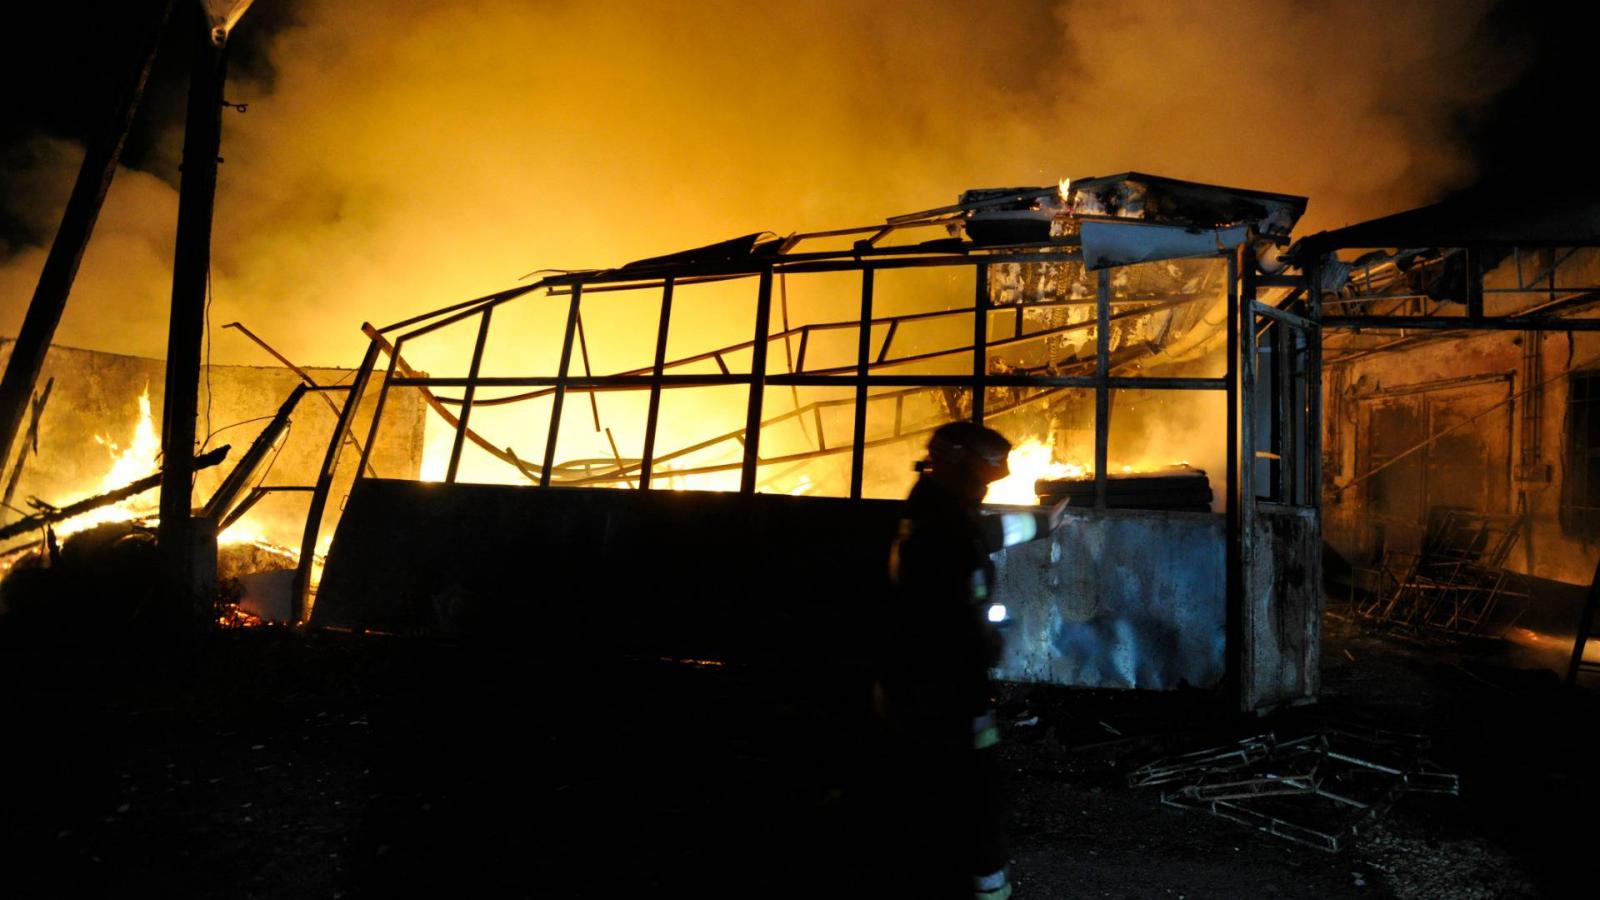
(98, 394)
(1352, 389)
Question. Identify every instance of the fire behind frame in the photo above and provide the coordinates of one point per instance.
(1246, 319)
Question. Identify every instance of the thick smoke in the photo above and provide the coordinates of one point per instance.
(410, 154)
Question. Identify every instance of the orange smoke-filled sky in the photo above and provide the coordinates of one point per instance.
(398, 156)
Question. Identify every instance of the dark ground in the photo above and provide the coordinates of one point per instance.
(285, 764)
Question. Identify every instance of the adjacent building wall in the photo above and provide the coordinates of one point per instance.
(1512, 454)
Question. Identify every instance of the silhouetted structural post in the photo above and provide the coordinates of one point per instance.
(77, 224)
(188, 563)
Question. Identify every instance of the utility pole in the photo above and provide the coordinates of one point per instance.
(77, 224)
(188, 556)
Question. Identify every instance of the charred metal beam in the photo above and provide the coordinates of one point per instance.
(630, 382)
(863, 361)
(560, 388)
(254, 497)
(1284, 316)
(1059, 250)
(300, 591)
(980, 340)
(838, 373)
(1585, 629)
(1313, 461)
(472, 386)
(758, 372)
(495, 298)
(30, 445)
(583, 355)
(653, 414)
(217, 507)
(1102, 387)
(1241, 544)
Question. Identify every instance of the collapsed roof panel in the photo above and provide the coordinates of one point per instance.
(1127, 218)
(1477, 218)
(1187, 204)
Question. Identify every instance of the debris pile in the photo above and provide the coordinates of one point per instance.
(1318, 790)
(1454, 587)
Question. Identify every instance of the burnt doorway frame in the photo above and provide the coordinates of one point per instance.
(1426, 394)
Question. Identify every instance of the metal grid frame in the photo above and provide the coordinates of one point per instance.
(866, 258)
(1248, 319)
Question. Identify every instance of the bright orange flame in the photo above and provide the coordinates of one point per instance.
(1030, 461)
(139, 458)
(1033, 460)
(1065, 187)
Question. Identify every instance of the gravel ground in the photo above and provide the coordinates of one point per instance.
(283, 764)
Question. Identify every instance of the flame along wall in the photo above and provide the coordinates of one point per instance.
(93, 413)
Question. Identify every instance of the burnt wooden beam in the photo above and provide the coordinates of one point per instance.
(31, 445)
(203, 461)
(191, 275)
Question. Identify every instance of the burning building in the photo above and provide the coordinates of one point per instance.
(1461, 364)
(725, 489)
(93, 432)
(1107, 324)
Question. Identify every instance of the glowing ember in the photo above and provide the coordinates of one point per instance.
(231, 616)
(1555, 643)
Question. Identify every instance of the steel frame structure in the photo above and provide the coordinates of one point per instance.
(1252, 326)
